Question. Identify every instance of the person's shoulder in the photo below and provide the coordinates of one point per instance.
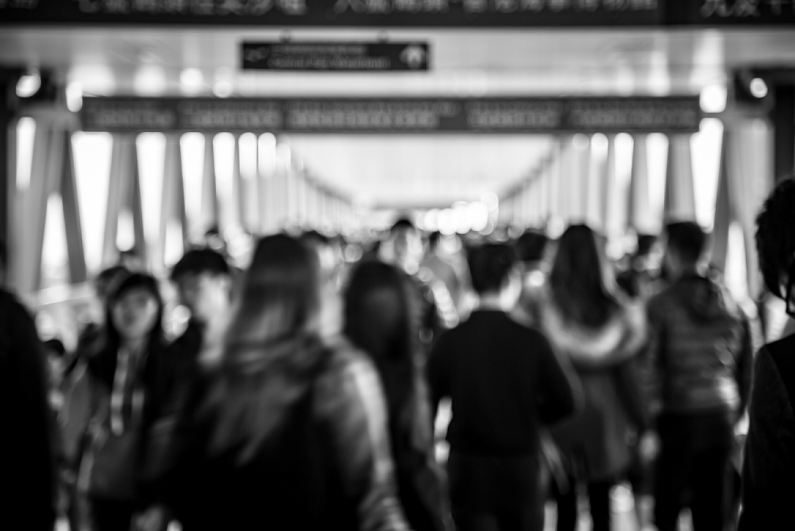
(782, 354)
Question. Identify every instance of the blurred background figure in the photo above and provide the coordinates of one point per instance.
(697, 374)
(504, 382)
(445, 269)
(382, 319)
(204, 286)
(27, 461)
(531, 249)
(285, 431)
(768, 489)
(114, 399)
(640, 278)
(587, 323)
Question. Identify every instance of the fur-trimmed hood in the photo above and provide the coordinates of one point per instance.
(621, 338)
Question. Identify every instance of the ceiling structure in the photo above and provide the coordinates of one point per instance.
(396, 170)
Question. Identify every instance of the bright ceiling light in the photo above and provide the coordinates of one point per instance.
(74, 96)
(758, 87)
(29, 84)
(713, 98)
(192, 80)
(223, 89)
(150, 80)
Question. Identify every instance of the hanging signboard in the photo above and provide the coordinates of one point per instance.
(372, 13)
(730, 12)
(394, 115)
(335, 56)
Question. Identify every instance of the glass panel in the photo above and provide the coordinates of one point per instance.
(54, 257)
(26, 132)
(224, 148)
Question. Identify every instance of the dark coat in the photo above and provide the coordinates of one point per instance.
(26, 457)
(595, 441)
(769, 463)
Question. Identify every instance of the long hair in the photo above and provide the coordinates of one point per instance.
(577, 280)
(270, 346)
(103, 356)
(381, 319)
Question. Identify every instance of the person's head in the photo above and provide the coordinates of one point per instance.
(685, 242)
(577, 279)
(280, 295)
(378, 319)
(433, 240)
(531, 246)
(493, 270)
(134, 310)
(105, 279)
(406, 241)
(775, 242)
(204, 283)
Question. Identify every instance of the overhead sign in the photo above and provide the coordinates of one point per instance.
(731, 12)
(393, 115)
(373, 13)
(335, 56)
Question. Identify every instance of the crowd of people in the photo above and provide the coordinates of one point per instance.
(304, 390)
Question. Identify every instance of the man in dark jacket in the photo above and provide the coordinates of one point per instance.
(26, 456)
(204, 284)
(698, 375)
(769, 465)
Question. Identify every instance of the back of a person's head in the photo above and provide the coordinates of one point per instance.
(489, 266)
(280, 292)
(531, 245)
(775, 236)
(376, 309)
(645, 244)
(686, 239)
(577, 278)
(401, 225)
(198, 261)
(433, 240)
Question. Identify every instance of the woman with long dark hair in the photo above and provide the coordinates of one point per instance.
(285, 432)
(115, 397)
(382, 317)
(586, 321)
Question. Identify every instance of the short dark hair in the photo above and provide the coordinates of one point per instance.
(775, 235)
(105, 279)
(433, 239)
(531, 246)
(198, 261)
(687, 239)
(489, 266)
(402, 223)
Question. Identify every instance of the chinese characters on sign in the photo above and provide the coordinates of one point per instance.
(393, 115)
(335, 56)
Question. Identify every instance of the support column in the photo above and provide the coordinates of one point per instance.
(680, 201)
(209, 208)
(639, 207)
(609, 201)
(172, 207)
(8, 82)
(71, 210)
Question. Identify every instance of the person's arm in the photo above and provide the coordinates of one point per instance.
(350, 403)
(560, 392)
(437, 375)
(745, 362)
(650, 363)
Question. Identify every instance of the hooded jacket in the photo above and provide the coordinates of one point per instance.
(700, 355)
(594, 442)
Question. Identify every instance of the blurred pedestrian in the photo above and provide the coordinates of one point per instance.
(116, 395)
(601, 334)
(769, 464)
(27, 463)
(698, 375)
(382, 319)
(285, 431)
(504, 382)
